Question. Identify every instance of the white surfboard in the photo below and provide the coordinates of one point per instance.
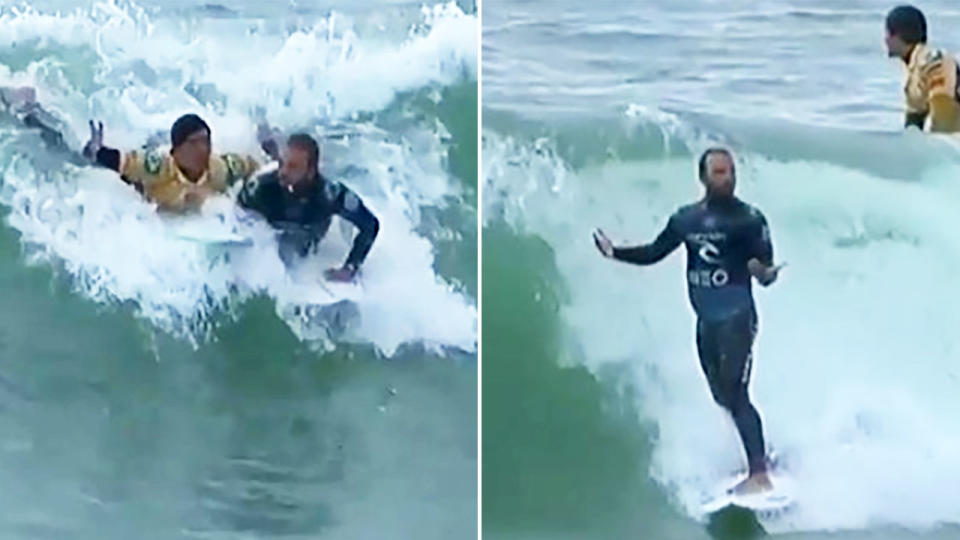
(311, 287)
(319, 308)
(211, 236)
(779, 499)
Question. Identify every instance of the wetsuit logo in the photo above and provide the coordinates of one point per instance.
(709, 252)
(705, 278)
(720, 277)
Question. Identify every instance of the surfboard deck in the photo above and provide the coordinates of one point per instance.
(212, 237)
(776, 500)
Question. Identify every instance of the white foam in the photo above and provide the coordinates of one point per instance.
(319, 70)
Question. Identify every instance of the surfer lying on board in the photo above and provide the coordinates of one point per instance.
(931, 87)
(300, 202)
(296, 199)
(728, 242)
(179, 178)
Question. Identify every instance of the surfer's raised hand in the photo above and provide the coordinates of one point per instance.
(603, 243)
(268, 138)
(96, 140)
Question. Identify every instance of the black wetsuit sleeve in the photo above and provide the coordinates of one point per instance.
(350, 207)
(109, 158)
(667, 241)
(914, 119)
(761, 247)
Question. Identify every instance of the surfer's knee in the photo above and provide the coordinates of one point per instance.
(736, 401)
(716, 392)
(726, 399)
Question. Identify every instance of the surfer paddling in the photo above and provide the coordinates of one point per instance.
(296, 199)
(728, 243)
(300, 202)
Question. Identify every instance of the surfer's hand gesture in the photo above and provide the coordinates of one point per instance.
(603, 243)
(96, 141)
(766, 275)
(268, 137)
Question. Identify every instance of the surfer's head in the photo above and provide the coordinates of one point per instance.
(717, 173)
(190, 137)
(300, 161)
(906, 27)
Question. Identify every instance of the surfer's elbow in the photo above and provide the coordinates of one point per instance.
(370, 227)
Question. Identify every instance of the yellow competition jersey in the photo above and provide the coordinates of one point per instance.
(161, 181)
(931, 88)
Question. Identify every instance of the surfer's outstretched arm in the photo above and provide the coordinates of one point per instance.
(667, 241)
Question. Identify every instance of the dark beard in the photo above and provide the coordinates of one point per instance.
(720, 198)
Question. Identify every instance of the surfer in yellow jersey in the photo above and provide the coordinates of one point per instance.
(931, 88)
(182, 177)
(178, 179)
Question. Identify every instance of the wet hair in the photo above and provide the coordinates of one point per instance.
(307, 143)
(184, 127)
(702, 166)
(907, 23)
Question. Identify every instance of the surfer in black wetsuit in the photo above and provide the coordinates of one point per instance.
(300, 202)
(728, 242)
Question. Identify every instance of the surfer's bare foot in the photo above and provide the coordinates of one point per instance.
(342, 275)
(755, 483)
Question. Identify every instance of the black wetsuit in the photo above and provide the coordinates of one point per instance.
(304, 215)
(720, 236)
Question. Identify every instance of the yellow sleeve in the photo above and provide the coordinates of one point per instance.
(143, 167)
(940, 77)
(240, 167)
(940, 87)
(944, 113)
(132, 168)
